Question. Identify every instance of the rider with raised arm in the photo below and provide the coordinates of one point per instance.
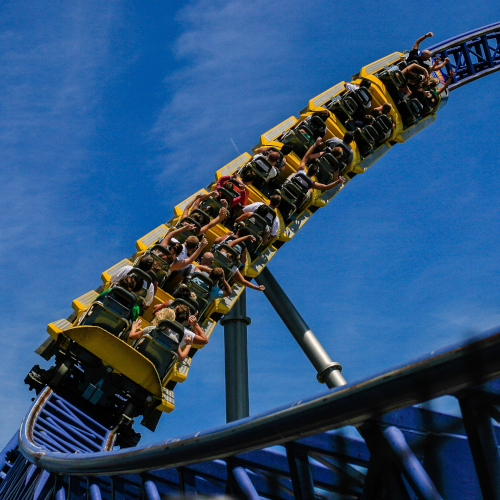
(195, 203)
(191, 248)
(305, 177)
(424, 58)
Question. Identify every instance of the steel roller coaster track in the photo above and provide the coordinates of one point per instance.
(402, 452)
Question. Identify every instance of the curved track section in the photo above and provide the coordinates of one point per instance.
(457, 371)
(472, 55)
(443, 373)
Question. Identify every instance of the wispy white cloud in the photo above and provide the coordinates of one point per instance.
(52, 71)
(54, 66)
(235, 56)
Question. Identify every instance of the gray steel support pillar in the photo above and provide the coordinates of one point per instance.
(235, 350)
(329, 371)
(483, 445)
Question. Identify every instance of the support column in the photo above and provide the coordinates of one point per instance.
(483, 445)
(236, 361)
(329, 371)
(300, 472)
(409, 465)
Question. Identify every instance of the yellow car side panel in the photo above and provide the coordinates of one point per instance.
(119, 355)
(146, 241)
(83, 302)
(316, 103)
(232, 166)
(275, 132)
(380, 63)
(178, 209)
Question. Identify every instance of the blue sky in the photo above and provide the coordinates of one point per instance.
(113, 112)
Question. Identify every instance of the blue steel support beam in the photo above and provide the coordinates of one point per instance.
(483, 445)
(60, 492)
(11, 445)
(409, 465)
(43, 477)
(300, 472)
(187, 481)
(151, 490)
(244, 483)
(93, 490)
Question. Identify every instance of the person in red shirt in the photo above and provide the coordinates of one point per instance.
(240, 185)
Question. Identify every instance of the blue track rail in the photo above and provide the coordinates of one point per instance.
(233, 456)
(57, 427)
(293, 451)
(472, 55)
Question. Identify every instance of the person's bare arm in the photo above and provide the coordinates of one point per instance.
(199, 334)
(326, 187)
(220, 218)
(416, 45)
(179, 264)
(200, 198)
(262, 149)
(159, 307)
(244, 216)
(437, 64)
(239, 278)
(182, 354)
(242, 238)
(227, 288)
(135, 331)
(220, 239)
(446, 85)
(165, 242)
(190, 205)
(303, 162)
(415, 68)
(202, 268)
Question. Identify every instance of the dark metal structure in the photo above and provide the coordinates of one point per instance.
(392, 451)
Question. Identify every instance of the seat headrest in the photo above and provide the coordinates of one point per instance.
(188, 220)
(135, 271)
(227, 194)
(257, 219)
(317, 122)
(364, 94)
(185, 302)
(385, 121)
(166, 324)
(348, 105)
(158, 248)
(416, 105)
(125, 294)
(204, 215)
(263, 163)
(397, 77)
(329, 158)
(230, 250)
(202, 277)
